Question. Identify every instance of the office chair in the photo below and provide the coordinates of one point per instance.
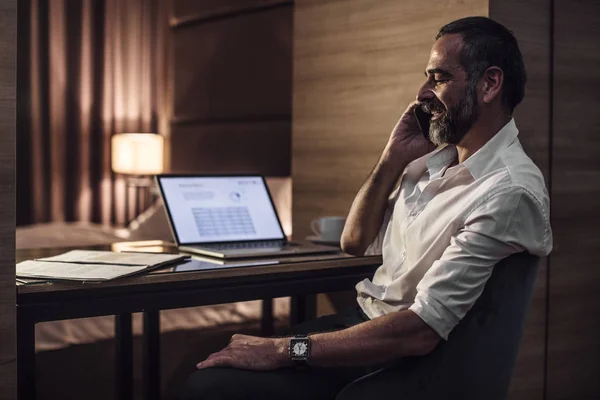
(477, 360)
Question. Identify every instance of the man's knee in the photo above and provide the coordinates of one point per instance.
(210, 384)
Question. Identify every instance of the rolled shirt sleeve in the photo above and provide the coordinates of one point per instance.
(508, 221)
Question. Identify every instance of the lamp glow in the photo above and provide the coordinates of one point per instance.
(137, 153)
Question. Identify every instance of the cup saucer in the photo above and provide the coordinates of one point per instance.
(318, 240)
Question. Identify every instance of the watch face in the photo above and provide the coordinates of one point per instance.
(299, 349)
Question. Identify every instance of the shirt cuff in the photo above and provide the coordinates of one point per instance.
(438, 317)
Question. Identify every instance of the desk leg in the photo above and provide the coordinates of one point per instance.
(266, 321)
(302, 308)
(151, 355)
(25, 358)
(124, 357)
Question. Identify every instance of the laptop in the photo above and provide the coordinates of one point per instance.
(227, 217)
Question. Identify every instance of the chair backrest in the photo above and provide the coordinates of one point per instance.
(477, 360)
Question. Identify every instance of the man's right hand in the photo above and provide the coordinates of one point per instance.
(407, 142)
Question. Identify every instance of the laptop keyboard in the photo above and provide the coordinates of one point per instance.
(244, 245)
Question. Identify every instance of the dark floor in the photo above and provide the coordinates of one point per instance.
(87, 371)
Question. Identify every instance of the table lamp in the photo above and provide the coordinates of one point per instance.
(137, 156)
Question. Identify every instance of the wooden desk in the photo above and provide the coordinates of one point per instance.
(165, 289)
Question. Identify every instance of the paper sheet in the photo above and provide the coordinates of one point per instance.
(83, 272)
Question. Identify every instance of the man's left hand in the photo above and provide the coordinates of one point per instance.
(251, 353)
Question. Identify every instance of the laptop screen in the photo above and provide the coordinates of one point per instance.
(219, 209)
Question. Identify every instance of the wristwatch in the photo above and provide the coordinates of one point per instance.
(300, 349)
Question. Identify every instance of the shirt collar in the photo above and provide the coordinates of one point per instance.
(479, 163)
(440, 159)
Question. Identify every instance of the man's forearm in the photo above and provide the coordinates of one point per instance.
(382, 339)
(368, 208)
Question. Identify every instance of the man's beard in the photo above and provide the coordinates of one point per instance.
(452, 127)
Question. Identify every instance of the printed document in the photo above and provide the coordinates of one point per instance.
(91, 265)
(79, 272)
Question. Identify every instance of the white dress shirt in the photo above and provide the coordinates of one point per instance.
(446, 227)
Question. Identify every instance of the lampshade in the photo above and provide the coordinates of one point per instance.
(137, 153)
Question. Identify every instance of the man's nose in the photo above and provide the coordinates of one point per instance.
(424, 94)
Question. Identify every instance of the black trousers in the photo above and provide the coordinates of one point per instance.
(286, 383)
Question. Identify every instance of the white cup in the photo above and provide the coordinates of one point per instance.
(328, 228)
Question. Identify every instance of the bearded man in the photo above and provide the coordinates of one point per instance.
(442, 212)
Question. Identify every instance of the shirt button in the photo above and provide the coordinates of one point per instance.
(403, 254)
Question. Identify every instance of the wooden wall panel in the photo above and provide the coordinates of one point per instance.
(231, 87)
(234, 68)
(356, 67)
(574, 319)
(8, 47)
(245, 147)
(531, 23)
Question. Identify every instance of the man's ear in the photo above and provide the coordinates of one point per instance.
(492, 81)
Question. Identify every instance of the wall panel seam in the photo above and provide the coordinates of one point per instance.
(192, 20)
(550, 164)
(233, 120)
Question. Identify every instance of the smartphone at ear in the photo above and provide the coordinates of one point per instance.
(423, 120)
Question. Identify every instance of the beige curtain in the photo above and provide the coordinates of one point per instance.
(95, 68)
